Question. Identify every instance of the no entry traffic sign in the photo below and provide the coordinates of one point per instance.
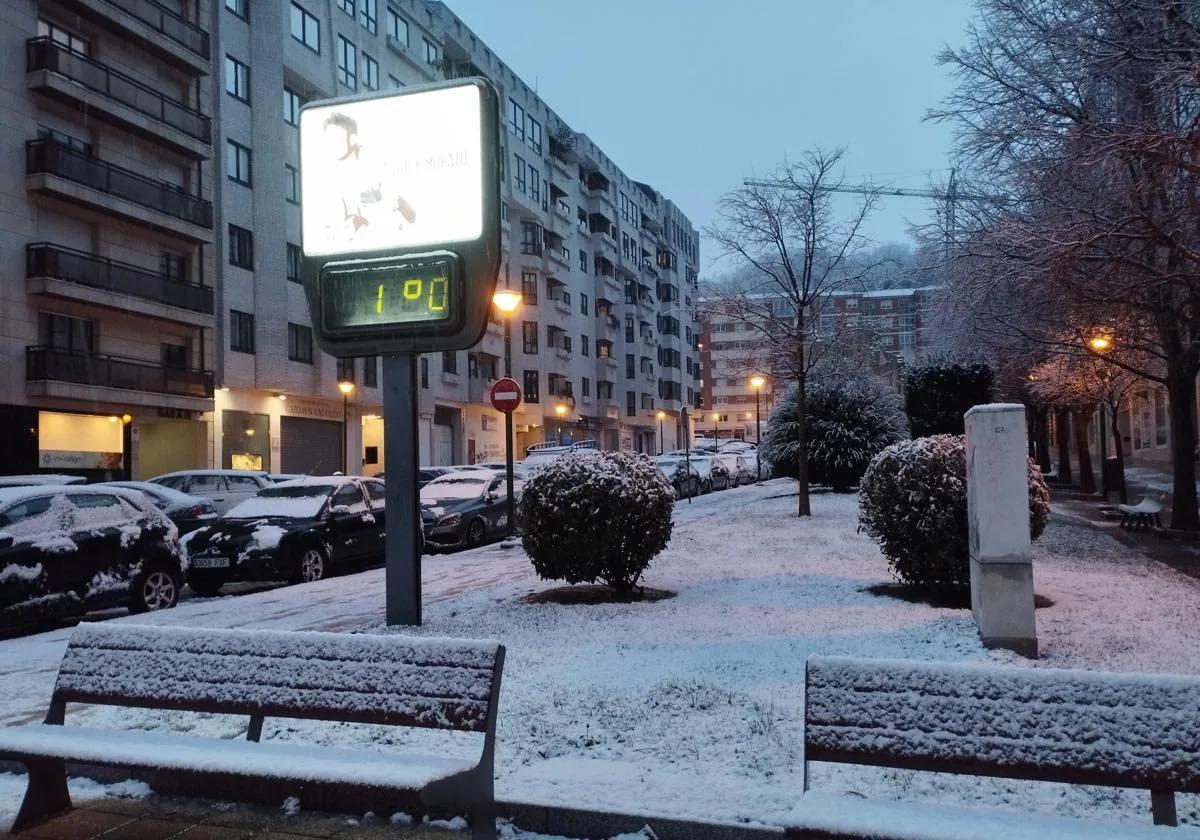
(506, 395)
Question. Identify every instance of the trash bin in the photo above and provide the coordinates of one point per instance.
(1114, 478)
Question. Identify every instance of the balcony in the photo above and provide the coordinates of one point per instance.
(55, 271)
(155, 27)
(56, 71)
(46, 366)
(61, 172)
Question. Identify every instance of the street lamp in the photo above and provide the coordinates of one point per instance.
(560, 411)
(507, 301)
(347, 388)
(661, 415)
(756, 382)
(1101, 344)
(716, 430)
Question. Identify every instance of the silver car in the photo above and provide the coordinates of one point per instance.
(225, 488)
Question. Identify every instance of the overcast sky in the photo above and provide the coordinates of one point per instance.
(693, 100)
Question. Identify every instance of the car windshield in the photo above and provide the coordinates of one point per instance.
(455, 487)
(296, 500)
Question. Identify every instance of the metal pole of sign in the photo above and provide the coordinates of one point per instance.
(402, 551)
(757, 436)
(687, 453)
(508, 432)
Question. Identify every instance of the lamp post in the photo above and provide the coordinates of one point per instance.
(560, 411)
(1101, 344)
(661, 415)
(716, 418)
(756, 382)
(347, 388)
(507, 302)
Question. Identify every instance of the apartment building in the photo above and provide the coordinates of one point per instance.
(881, 329)
(106, 232)
(607, 265)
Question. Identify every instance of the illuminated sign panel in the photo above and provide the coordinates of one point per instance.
(392, 293)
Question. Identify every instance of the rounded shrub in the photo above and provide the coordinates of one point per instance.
(596, 516)
(913, 502)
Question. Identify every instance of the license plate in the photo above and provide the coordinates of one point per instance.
(210, 562)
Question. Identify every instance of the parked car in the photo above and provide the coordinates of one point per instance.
(41, 479)
(735, 464)
(540, 454)
(466, 508)
(187, 512)
(296, 531)
(279, 478)
(70, 549)
(225, 488)
(676, 468)
(713, 476)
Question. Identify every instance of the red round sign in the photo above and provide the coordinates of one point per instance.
(506, 395)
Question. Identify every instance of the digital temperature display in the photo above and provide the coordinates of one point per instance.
(382, 295)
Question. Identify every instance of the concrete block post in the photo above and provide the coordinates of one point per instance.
(998, 513)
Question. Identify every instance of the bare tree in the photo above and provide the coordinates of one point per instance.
(793, 254)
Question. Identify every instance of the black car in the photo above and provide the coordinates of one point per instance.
(295, 531)
(187, 512)
(68, 550)
(465, 509)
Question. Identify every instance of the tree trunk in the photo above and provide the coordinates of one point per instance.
(1181, 391)
(1081, 418)
(1042, 436)
(1118, 451)
(1062, 430)
(803, 508)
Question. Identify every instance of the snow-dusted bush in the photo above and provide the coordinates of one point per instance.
(596, 516)
(913, 502)
(937, 395)
(851, 418)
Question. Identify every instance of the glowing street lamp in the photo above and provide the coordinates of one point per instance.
(716, 430)
(757, 381)
(507, 302)
(347, 388)
(560, 411)
(661, 415)
(1100, 343)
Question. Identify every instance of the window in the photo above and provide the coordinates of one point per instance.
(529, 288)
(241, 247)
(531, 238)
(293, 262)
(291, 184)
(300, 343)
(584, 345)
(583, 261)
(631, 403)
(424, 371)
(345, 370)
(603, 349)
(587, 387)
(531, 386)
(306, 28)
(173, 356)
(535, 185)
(347, 63)
(433, 54)
(449, 362)
(519, 173)
(64, 333)
(533, 134)
(397, 27)
(368, 15)
(371, 371)
(370, 73)
(516, 119)
(629, 366)
(346, 6)
(237, 79)
(604, 390)
(237, 162)
(63, 37)
(172, 266)
(350, 497)
(241, 8)
(291, 106)
(583, 304)
(241, 331)
(529, 337)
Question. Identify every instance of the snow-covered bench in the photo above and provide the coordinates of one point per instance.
(1145, 513)
(1079, 727)
(446, 684)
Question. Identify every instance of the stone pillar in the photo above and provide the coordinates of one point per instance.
(998, 513)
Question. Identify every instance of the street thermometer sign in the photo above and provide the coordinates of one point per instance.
(400, 232)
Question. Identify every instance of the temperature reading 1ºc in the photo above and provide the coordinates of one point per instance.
(412, 291)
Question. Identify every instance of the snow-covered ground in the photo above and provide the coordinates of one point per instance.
(692, 706)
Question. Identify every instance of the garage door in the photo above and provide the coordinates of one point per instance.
(443, 445)
(313, 447)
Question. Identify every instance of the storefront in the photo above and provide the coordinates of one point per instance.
(83, 444)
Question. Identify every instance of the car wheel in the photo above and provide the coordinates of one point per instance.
(157, 589)
(206, 584)
(311, 566)
(476, 531)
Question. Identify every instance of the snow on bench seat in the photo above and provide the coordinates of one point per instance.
(272, 760)
(825, 815)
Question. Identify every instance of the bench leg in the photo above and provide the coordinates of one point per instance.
(46, 795)
(1162, 804)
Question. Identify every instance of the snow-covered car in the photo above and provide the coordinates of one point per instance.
(295, 531)
(187, 512)
(40, 479)
(225, 488)
(70, 549)
(683, 477)
(735, 464)
(466, 508)
(713, 475)
(540, 454)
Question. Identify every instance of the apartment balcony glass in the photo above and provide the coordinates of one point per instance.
(45, 54)
(47, 156)
(43, 259)
(161, 19)
(49, 363)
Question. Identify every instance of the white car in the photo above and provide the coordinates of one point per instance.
(738, 465)
(225, 488)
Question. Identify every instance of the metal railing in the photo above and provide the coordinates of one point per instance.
(49, 363)
(56, 159)
(44, 54)
(43, 259)
(169, 23)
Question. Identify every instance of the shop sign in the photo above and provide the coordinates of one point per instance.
(60, 459)
(303, 408)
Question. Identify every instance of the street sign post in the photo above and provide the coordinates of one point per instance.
(400, 232)
(506, 397)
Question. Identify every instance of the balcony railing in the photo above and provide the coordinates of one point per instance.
(45, 260)
(169, 23)
(44, 54)
(49, 363)
(56, 159)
